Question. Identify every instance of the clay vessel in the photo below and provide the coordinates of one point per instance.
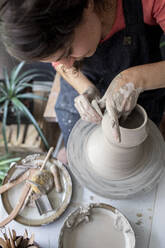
(113, 160)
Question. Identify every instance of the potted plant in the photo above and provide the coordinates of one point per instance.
(5, 162)
(12, 94)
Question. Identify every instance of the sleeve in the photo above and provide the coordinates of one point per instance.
(158, 13)
(162, 46)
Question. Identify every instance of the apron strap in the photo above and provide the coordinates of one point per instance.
(133, 13)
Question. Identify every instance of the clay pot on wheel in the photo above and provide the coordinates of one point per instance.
(112, 169)
(114, 160)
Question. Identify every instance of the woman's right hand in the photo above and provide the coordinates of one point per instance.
(85, 105)
(120, 99)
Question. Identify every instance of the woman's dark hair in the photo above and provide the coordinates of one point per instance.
(35, 29)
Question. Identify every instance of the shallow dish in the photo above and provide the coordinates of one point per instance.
(30, 215)
(98, 225)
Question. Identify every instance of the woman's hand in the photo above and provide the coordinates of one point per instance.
(119, 100)
(84, 103)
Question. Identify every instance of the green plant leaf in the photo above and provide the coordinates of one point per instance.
(6, 156)
(4, 124)
(29, 78)
(3, 91)
(31, 96)
(25, 110)
(6, 78)
(18, 122)
(4, 169)
(2, 174)
(2, 99)
(22, 87)
(8, 161)
(5, 162)
(26, 73)
(14, 74)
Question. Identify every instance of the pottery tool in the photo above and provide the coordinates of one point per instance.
(43, 204)
(18, 180)
(21, 173)
(55, 171)
(42, 201)
(42, 183)
(25, 192)
(112, 169)
(26, 166)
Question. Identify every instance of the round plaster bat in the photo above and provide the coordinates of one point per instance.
(98, 225)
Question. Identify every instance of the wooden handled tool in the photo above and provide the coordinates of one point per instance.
(22, 178)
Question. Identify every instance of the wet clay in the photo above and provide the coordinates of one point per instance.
(134, 120)
(100, 231)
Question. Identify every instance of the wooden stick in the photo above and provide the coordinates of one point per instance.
(15, 211)
(55, 171)
(22, 178)
(46, 158)
(11, 239)
(3, 243)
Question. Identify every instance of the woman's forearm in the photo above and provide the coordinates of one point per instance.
(147, 77)
(75, 78)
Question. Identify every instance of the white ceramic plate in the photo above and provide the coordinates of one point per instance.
(98, 225)
(30, 215)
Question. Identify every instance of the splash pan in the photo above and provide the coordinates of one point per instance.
(143, 179)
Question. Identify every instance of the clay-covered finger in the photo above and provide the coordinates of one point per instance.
(102, 102)
(82, 105)
(78, 103)
(92, 116)
(86, 110)
(114, 120)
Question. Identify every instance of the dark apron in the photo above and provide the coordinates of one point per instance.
(137, 44)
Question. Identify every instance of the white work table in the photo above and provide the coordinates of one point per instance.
(145, 213)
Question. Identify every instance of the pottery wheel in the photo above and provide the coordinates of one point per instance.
(143, 179)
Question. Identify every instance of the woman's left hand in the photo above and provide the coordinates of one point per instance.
(119, 100)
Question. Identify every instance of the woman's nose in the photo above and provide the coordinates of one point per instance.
(68, 62)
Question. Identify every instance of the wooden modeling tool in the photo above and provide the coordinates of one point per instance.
(55, 171)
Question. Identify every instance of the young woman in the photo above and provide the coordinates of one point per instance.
(117, 43)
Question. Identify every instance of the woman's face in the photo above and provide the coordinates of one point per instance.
(85, 41)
